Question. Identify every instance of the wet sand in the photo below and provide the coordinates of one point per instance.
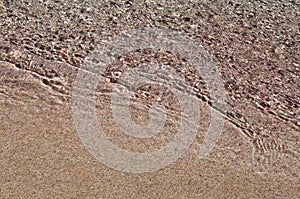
(42, 46)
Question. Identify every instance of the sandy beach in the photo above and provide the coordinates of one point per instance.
(57, 86)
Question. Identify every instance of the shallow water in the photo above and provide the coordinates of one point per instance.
(43, 48)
